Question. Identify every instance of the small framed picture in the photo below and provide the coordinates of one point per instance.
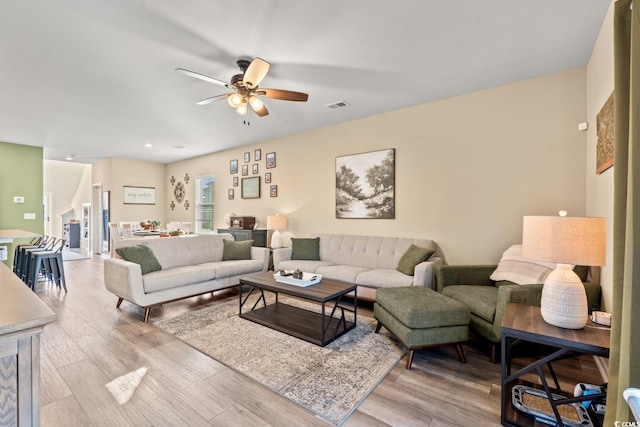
(247, 157)
(231, 194)
(235, 181)
(257, 155)
(271, 160)
(255, 168)
(273, 191)
(267, 177)
(233, 166)
(245, 170)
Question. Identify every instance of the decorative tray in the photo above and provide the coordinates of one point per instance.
(308, 279)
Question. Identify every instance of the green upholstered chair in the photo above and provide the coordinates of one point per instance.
(487, 299)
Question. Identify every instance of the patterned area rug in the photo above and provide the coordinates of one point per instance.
(330, 381)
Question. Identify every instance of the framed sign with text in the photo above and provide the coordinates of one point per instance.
(139, 195)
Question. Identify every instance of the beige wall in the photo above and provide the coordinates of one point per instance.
(116, 172)
(70, 186)
(600, 187)
(467, 168)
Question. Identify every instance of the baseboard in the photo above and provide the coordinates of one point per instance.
(603, 366)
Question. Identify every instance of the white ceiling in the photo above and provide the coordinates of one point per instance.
(96, 79)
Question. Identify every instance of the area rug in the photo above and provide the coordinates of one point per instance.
(329, 381)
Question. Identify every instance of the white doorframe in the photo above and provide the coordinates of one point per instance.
(96, 224)
(46, 212)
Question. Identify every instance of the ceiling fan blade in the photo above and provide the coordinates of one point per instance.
(285, 95)
(201, 76)
(262, 111)
(207, 101)
(255, 72)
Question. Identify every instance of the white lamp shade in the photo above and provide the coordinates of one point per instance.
(566, 241)
(276, 222)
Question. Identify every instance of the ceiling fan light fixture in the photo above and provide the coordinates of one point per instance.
(234, 100)
(242, 109)
(256, 103)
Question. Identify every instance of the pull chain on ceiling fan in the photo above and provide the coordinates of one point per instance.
(245, 86)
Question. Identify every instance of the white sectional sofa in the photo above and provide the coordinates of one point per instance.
(191, 265)
(367, 261)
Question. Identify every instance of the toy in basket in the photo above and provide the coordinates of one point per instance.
(286, 276)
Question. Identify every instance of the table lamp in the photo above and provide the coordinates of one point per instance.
(276, 223)
(567, 241)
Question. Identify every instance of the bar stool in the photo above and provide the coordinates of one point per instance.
(35, 242)
(54, 268)
(50, 262)
(23, 255)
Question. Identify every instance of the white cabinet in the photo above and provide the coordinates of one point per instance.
(86, 230)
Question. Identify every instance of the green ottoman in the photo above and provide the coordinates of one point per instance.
(421, 318)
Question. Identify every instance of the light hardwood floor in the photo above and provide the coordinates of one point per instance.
(92, 343)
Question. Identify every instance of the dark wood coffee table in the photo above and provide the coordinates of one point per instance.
(317, 328)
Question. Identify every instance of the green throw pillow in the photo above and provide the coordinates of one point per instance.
(412, 257)
(233, 250)
(307, 249)
(140, 254)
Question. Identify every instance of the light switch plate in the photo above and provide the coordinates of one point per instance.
(29, 216)
(18, 199)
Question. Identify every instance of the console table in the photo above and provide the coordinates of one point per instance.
(259, 237)
(524, 322)
(22, 318)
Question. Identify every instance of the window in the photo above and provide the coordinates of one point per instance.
(205, 201)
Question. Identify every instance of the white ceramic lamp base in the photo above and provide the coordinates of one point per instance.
(564, 300)
(276, 240)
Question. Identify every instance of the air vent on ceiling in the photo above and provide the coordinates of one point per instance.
(337, 104)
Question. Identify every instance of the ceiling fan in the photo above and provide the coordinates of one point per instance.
(245, 86)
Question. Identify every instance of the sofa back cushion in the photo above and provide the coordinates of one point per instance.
(181, 251)
(367, 251)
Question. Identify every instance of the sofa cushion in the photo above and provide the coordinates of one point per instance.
(481, 300)
(233, 268)
(345, 273)
(367, 251)
(178, 276)
(383, 277)
(412, 257)
(523, 271)
(302, 265)
(183, 251)
(305, 249)
(140, 254)
(233, 250)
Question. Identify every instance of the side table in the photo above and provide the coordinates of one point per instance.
(524, 322)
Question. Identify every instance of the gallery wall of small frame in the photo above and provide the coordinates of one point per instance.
(251, 179)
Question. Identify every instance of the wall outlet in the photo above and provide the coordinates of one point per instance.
(18, 199)
(29, 216)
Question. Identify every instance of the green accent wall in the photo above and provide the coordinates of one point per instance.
(20, 175)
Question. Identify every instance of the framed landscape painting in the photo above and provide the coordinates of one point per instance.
(365, 185)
